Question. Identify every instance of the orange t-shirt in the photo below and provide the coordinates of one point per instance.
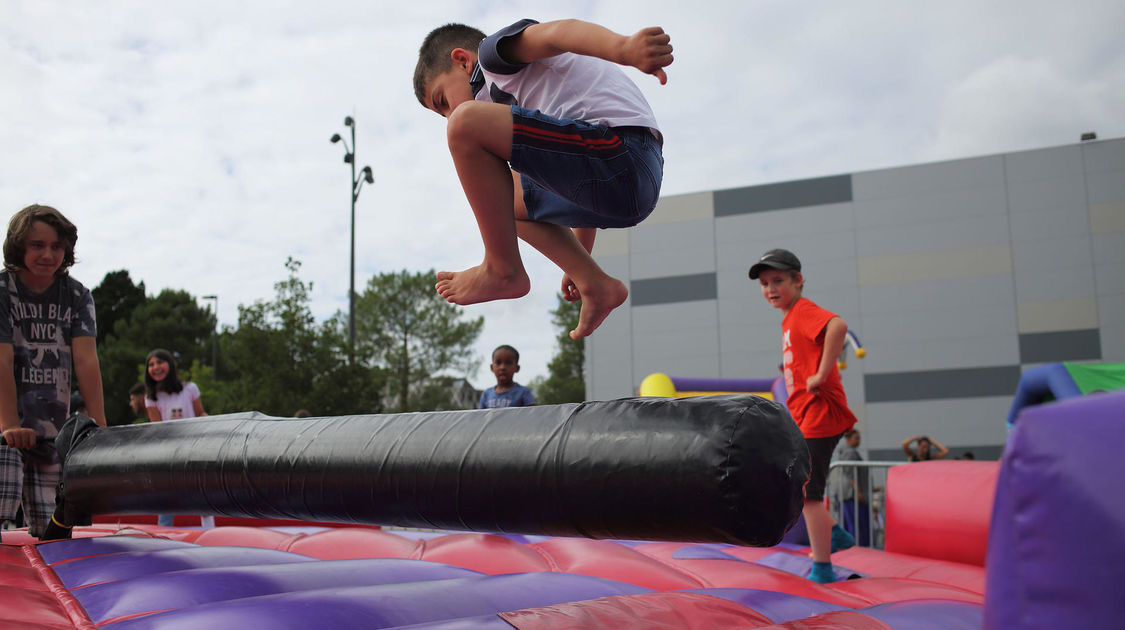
(802, 342)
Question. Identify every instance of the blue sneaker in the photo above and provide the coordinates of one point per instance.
(841, 539)
(822, 573)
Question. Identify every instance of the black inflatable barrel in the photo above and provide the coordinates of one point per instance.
(717, 468)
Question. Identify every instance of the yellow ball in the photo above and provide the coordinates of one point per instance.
(861, 352)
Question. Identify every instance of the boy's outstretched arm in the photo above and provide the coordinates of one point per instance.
(647, 50)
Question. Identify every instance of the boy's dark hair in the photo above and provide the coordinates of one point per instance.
(137, 388)
(15, 244)
(171, 383)
(433, 55)
(514, 352)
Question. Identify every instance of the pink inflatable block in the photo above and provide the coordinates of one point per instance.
(941, 509)
(873, 562)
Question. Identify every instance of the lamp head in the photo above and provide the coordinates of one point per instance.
(349, 158)
(348, 122)
(335, 138)
(367, 176)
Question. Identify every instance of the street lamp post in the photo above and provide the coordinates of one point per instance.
(214, 337)
(356, 184)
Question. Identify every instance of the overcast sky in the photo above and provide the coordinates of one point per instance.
(188, 141)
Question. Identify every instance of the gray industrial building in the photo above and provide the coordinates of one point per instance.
(955, 276)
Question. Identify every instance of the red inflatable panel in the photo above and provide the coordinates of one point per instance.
(736, 574)
(341, 544)
(27, 601)
(486, 553)
(941, 509)
(839, 620)
(607, 559)
(247, 537)
(867, 561)
(883, 590)
(679, 611)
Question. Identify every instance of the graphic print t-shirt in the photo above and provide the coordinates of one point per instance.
(41, 327)
(176, 406)
(516, 396)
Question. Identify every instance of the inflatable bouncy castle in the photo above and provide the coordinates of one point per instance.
(683, 504)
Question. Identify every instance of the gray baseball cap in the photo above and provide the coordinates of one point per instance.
(782, 259)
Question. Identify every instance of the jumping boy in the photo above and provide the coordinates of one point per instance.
(546, 133)
(811, 340)
(47, 328)
(507, 392)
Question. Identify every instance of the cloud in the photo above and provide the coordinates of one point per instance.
(189, 141)
(1018, 103)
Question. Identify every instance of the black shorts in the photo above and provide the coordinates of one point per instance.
(820, 452)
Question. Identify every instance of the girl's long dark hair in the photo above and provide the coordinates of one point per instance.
(171, 383)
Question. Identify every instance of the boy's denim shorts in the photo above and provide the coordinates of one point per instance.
(578, 174)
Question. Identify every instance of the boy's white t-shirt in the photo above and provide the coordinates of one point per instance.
(176, 406)
(565, 86)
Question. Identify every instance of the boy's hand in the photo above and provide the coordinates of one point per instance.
(569, 290)
(20, 437)
(813, 384)
(648, 50)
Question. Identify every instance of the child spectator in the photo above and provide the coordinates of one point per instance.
(47, 329)
(137, 401)
(506, 393)
(811, 340)
(167, 398)
(546, 133)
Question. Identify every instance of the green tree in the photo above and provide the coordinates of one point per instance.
(173, 321)
(566, 381)
(115, 299)
(279, 360)
(403, 325)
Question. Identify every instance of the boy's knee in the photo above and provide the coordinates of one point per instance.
(462, 122)
(478, 123)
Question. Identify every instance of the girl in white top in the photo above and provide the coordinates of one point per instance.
(167, 398)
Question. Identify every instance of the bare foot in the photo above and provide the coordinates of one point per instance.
(598, 301)
(478, 284)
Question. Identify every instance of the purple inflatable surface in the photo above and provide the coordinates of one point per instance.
(1056, 546)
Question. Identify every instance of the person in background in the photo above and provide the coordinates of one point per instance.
(47, 331)
(167, 398)
(850, 486)
(925, 450)
(137, 401)
(506, 392)
(811, 339)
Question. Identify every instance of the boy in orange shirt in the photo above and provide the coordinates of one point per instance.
(811, 340)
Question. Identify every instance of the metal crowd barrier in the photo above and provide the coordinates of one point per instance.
(842, 477)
